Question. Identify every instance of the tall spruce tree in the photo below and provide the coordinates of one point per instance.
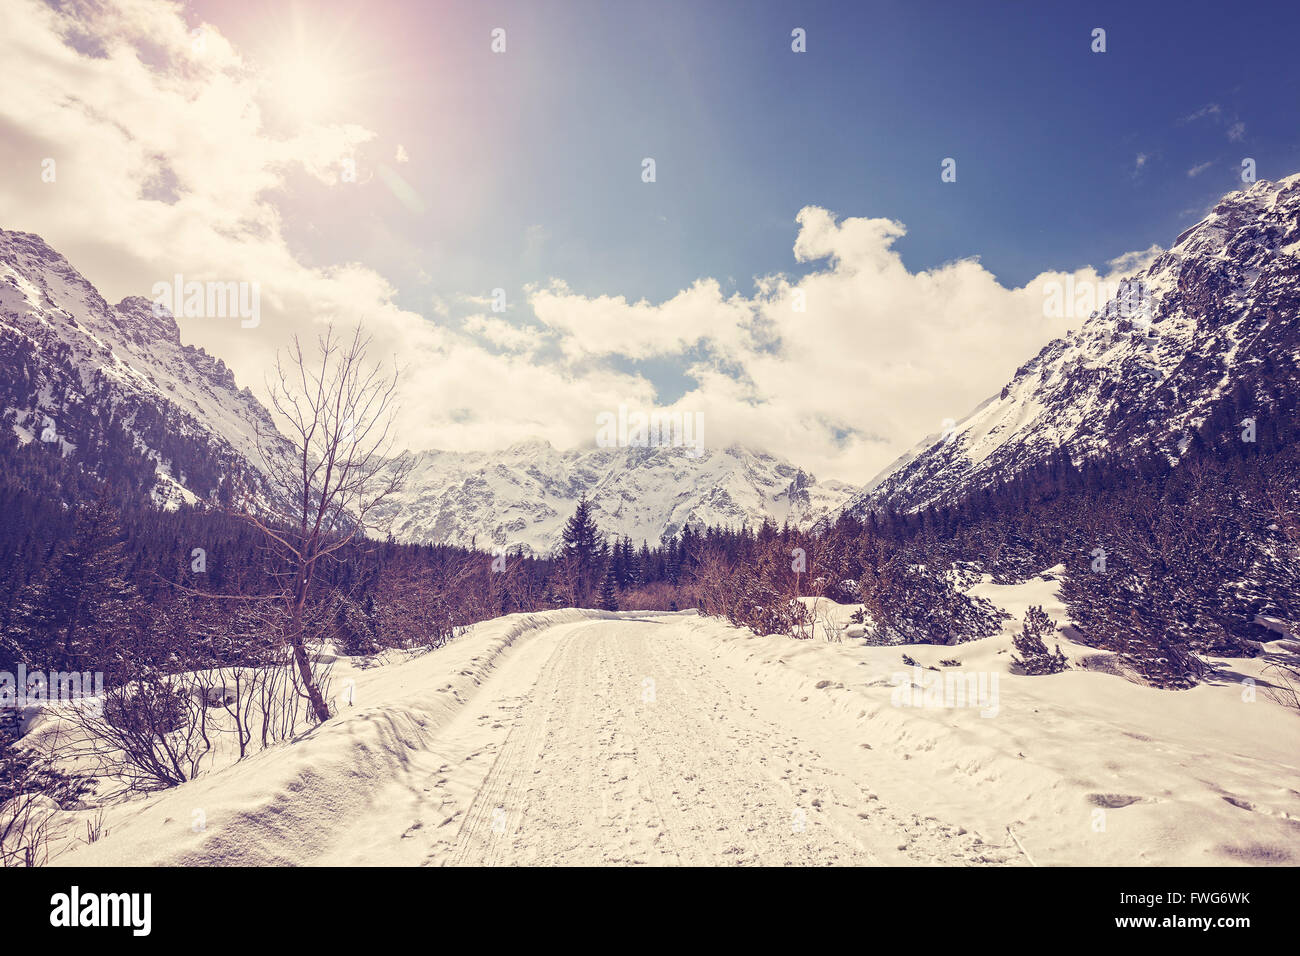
(609, 592)
(583, 543)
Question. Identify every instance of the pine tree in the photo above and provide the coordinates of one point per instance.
(673, 562)
(644, 567)
(1034, 657)
(583, 543)
(608, 592)
(82, 610)
(628, 567)
(911, 602)
(581, 536)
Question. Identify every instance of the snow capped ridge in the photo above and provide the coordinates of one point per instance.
(143, 322)
(520, 498)
(530, 446)
(27, 252)
(116, 382)
(1213, 316)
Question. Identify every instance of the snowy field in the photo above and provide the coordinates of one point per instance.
(584, 737)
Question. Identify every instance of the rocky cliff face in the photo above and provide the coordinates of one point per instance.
(114, 386)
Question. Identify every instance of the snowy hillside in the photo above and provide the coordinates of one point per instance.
(1201, 326)
(521, 497)
(114, 384)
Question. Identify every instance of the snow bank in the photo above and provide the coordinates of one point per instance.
(281, 805)
(1078, 768)
(1085, 767)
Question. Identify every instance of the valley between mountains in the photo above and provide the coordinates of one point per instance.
(1063, 631)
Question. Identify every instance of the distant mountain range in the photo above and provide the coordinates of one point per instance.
(113, 386)
(522, 496)
(1202, 325)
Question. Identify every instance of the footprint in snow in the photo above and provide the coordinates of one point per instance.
(1112, 801)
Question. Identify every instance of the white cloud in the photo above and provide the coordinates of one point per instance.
(503, 334)
(610, 325)
(1198, 169)
(878, 357)
(1236, 130)
(1129, 262)
(153, 99)
(1210, 109)
(110, 120)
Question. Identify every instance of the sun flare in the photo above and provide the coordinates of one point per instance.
(305, 87)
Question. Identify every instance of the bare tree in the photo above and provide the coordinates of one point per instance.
(337, 413)
(826, 614)
(150, 733)
(522, 588)
(1284, 687)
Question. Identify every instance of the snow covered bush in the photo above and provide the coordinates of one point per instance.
(32, 791)
(1034, 656)
(911, 603)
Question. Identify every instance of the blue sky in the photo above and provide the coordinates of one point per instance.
(745, 132)
(776, 172)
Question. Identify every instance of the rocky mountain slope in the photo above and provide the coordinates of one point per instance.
(1211, 324)
(114, 386)
(521, 497)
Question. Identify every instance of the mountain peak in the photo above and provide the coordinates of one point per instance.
(533, 444)
(178, 408)
(146, 321)
(521, 497)
(1212, 320)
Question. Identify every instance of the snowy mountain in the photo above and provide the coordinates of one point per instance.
(1209, 327)
(113, 385)
(521, 497)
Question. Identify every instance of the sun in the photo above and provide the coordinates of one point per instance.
(314, 69)
(305, 87)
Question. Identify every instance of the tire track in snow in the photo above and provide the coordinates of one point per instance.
(489, 825)
(711, 771)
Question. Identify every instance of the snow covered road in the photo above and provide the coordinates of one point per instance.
(630, 741)
(583, 737)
